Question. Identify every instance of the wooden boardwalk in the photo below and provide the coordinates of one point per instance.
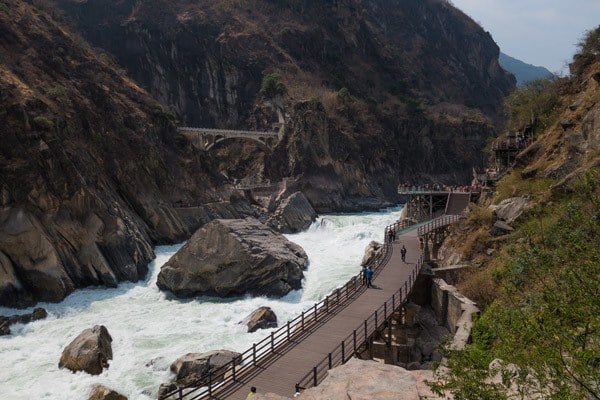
(280, 374)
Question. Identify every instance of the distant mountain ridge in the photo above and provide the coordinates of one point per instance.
(522, 71)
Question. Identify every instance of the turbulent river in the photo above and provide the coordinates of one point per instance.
(150, 329)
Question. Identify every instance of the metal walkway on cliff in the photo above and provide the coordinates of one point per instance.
(206, 138)
(299, 354)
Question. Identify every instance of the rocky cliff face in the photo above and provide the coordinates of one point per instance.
(396, 86)
(91, 167)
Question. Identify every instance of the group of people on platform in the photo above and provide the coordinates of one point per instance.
(406, 188)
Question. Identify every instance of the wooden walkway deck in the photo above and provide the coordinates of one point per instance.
(280, 374)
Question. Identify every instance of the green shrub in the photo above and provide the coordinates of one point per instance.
(272, 85)
(536, 99)
(43, 122)
(57, 92)
(4, 8)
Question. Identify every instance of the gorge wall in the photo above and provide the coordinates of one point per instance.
(93, 172)
(90, 166)
(375, 91)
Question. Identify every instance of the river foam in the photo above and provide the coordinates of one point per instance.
(150, 329)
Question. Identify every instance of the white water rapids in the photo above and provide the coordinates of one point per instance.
(150, 329)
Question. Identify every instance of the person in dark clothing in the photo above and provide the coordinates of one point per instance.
(369, 276)
(403, 253)
(363, 274)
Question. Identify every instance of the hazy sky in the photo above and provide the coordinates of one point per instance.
(539, 32)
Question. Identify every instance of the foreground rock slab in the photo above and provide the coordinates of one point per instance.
(194, 368)
(89, 352)
(100, 392)
(234, 257)
(261, 318)
(367, 380)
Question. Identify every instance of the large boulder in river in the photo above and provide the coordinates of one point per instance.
(294, 214)
(100, 392)
(261, 318)
(234, 257)
(89, 352)
(194, 368)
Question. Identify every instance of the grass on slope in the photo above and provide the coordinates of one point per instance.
(545, 323)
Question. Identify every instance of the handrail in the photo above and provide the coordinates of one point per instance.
(285, 334)
(370, 325)
(214, 131)
(359, 336)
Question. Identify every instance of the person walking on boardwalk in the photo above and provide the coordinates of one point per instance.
(403, 253)
(369, 276)
(363, 274)
(252, 393)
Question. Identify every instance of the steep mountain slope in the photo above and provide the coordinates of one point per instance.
(387, 88)
(539, 284)
(90, 165)
(522, 71)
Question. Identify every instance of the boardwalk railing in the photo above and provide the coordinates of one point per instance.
(360, 336)
(437, 223)
(221, 379)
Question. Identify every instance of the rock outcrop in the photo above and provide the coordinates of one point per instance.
(100, 392)
(361, 379)
(294, 214)
(6, 322)
(194, 368)
(93, 170)
(234, 257)
(510, 209)
(261, 318)
(500, 228)
(89, 352)
(371, 251)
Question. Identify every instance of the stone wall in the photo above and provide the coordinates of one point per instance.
(454, 311)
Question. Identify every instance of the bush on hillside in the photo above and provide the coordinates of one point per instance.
(536, 99)
(272, 85)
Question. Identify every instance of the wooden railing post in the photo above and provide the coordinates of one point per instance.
(376, 324)
(366, 331)
(288, 331)
(329, 359)
(272, 342)
(254, 354)
(303, 320)
(316, 318)
(315, 376)
(233, 369)
(385, 310)
(354, 340)
(343, 352)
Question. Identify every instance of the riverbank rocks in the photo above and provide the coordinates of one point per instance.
(194, 368)
(261, 318)
(510, 209)
(294, 214)
(234, 257)
(6, 322)
(89, 352)
(100, 392)
(371, 251)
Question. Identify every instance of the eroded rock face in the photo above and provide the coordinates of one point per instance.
(89, 352)
(261, 318)
(193, 368)
(100, 392)
(294, 214)
(234, 257)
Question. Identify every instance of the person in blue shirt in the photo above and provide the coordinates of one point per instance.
(369, 276)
